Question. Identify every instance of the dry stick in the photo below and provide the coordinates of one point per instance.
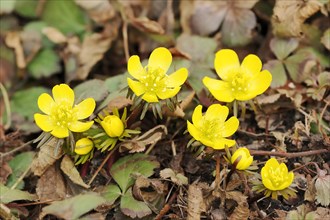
(289, 155)
(102, 164)
(125, 39)
(166, 207)
(2, 155)
(21, 178)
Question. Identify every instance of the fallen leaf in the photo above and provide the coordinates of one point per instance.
(146, 25)
(8, 195)
(46, 157)
(242, 210)
(68, 167)
(176, 178)
(54, 35)
(322, 213)
(303, 211)
(99, 10)
(195, 202)
(289, 16)
(325, 40)
(73, 207)
(51, 186)
(13, 41)
(322, 187)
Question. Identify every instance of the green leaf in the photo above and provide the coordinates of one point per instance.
(73, 207)
(133, 208)
(276, 68)
(8, 195)
(36, 27)
(65, 16)
(111, 193)
(19, 164)
(26, 8)
(24, 102)
(123, 169)
(7, 6)
(116, 83)
(94, 88)
(283, 47)
(44, 64)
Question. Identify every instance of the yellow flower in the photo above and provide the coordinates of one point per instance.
(275, 176)
(211, 129)
(152, 82)
(238, 81)
(61, 115)
(113, 126)
(245, 158)
(83, 146)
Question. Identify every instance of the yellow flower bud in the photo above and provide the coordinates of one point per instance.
(275, 176)
(245, 158)
(83, 146)
(113, 126)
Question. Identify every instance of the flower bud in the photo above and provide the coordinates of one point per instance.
(245, 158)
(83, 146)
(113, 126)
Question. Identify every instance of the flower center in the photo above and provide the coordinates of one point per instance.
(276, 176)
(63, 115)
(155, 80)
(239, 82)
(212, 129)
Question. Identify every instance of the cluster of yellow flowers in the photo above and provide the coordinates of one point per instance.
(151, 84)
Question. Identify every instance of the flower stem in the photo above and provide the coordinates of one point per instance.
(235, 108)
(217, 169)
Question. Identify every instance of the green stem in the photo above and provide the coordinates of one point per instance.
(235, 108)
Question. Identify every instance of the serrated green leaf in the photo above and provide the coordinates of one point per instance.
(111, 193)
(65, 16)
(94, 88)
(24, 102)
(282, 47)
(133, 208)
(8, 195)
(123, 169)
(276, 68)
(74, 207)
(44, 64)
(26, 8)
(19, 164)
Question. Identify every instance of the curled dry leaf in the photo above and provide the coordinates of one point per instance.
(13, 41)
(54, 35)
(51, 186)
(176, 178)
(46, 157)
(242, 210)
(195, 202)
(146, 25)
(68, 167)
(99, 10)
(289, 16)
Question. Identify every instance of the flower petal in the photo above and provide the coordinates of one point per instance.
(221, 90)
(63, 93)
(244, 96)
(217, 112)
(225, 61)
(137, 87)
(268, 184)
(46, 103)
(193, 131)
(251, 65)
(177, 78)
(150, 97)
(160, 58)
(230, 127)
(197, 115)
(44, 122)
(79, 126)
(272, 162)
(85, 108)
(60, 132)
(261, 82)
(135, 68)
(222, 142)
(168, 93)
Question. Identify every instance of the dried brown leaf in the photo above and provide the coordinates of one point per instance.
(242, 210)
(54, 35)
(289, 16)
(51, 185)
(310, 192)
(46, 157)
(99, 10)
(13, 41)
(68, 167)
(176, 178)
(195, 202)
(5, 171)
(322, 213)
(146, 25)
(322, 187)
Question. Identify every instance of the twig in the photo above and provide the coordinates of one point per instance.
(166, 207)
(102, 164)
(2, 155)
(21, 178)
(289, 155)
(7, 106)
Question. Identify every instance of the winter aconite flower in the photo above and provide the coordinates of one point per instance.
(113, 125)
(238, 81)
(245, 158)
(83, 146)
(275, 176)
(61, 114)
(211, 129)
(152, 82)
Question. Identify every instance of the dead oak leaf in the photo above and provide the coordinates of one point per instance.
(289, 16)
